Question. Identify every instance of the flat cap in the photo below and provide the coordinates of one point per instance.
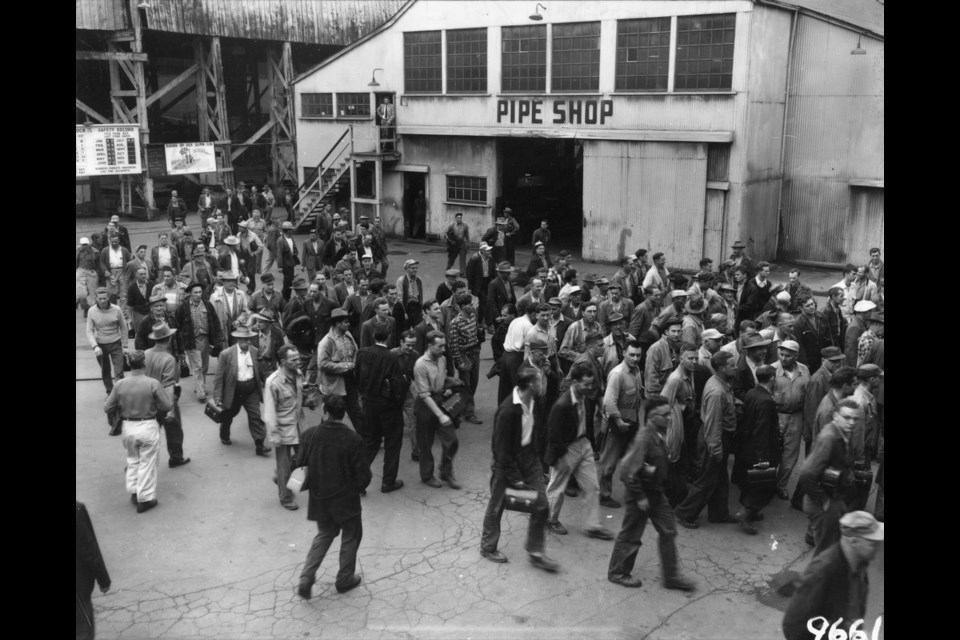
(831, 353)
(298, 283)
(84, 240)
(267, 278)
(337, 314)
(790, 345)
(614, 317)
(863, 306)
(738, 245)
(602, 281)
(555, 302)
(452, 273)
(534, 341)
(158, 298)
(860, 524)
(565, 253)
(286, 225)
(538, 243)
(711, 334)
(669, 322)
(783, 296)
(410, 263)
(678, 293)
(869, 371)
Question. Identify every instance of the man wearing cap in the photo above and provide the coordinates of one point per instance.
(458, 238)
(173, 290)
(229, 259)
(727, 305)
(573, 342)
(463, 349)
(711, 339)
(159, 312)
(202, 269)
(776, 305)
(718, 416)
(678, 300)
(139, 399)
(494, 236)
(480, 272)
(663, 356)
(112, 261)
(283, 418)
(858, 325)
(843, 382)
(500, 291)
(368, 270)
(658, 274)
(445, 289)
(177, 233)
(867, 339)
(231, 306)
(88, 260)
(539, 260)
(601, 292)
(267, 298)
(588, 289)
(621, 405)
(249, 249)
(827, 476)
(161, 365)
(616, 303)
(238, 384)
(199, 329)
(869, 377)
(757, 447)
(833, 589)
(753, 353)
(287, 256)
(410, 287)
(831, 359)
(108, 336)
(336, 355)
(790, 386)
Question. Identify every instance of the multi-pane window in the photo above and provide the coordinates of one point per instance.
(643, 54)
(353, 105)
(467, 60)
(576, 57)
(316, 105)
(705, 52)
(524, 58)
(422, 58)
(467, 189)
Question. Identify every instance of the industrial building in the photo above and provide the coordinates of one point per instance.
(678, 126)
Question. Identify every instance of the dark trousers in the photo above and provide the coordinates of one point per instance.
(383, 423)
(453, 253)
(85, 624)
(428, 427)
(112, 355)
(353, 403)
(510, 246)
(286, 455)
(246, 395)
(711, 490)
(471, 378)
(287, 282)
(250, 267)
(824, 523)
(628, 541)
(755, 497)
(173, 428)
(328, 530)
(533, 477)
(510, 363)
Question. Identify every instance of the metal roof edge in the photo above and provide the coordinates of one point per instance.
(789, 6)
(389, 23)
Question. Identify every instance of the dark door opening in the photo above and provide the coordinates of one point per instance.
(414, 208)
(543, 179)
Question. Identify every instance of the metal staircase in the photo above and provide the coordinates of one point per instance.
(324, 182)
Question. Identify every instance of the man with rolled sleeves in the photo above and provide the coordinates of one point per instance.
(160, 365)
(139, 399)
(238, 384)
(429, 375)
(790, 383)
(718, 431)
(621, 405)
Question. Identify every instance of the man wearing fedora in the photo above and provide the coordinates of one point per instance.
(238, 384)
(496, 238)
(500, 291)
(287, 256)
(268, 340)
(336, 361)
(158, 313)
(231, 306)
(834, 585)
(162, 366)
(739, 258)
(230, 260)
(199, 330)
(790, 387)
(862, 311)
(753, 353)
(758, 441)
(692, 323)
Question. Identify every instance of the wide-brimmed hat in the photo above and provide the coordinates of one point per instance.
(695, 305)
(160, 331)
(831, 353)
(614, 317)
(298, 283)
(231, 240)
(756, 340)
(264, 314)
(410, 263)
(738, 245)
(337, 314)
(452, 273)
(243, 332)
(505, 266)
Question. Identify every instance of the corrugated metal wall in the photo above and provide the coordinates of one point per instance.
(834, 134)
(107, 15)
(330, 22)
(866, 223)
(644, 194)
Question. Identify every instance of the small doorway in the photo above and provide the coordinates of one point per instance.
(414, 204)
(387, 121)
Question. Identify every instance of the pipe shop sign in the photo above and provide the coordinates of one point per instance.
(537, 111)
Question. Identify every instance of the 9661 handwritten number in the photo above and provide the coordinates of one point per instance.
(823, 630)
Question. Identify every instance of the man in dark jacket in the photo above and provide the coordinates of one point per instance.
(480, 272)
(90, 569)
(515, 465)
(758, 442)
(337, 473)
(287, 257)
(500, 291)
(644, 475)
(199, 329)
(834, 585)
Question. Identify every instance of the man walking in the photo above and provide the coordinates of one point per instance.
(458, 239)
(464, 350)
(621, 406)
(790, 382)
(758, 446)
(199, 329)
(283, 418)
(160, 365)
(108, 336)
(238, 384)
(429, 374)
(287, 256)
(139, 398)
(336, 355)
(337, 472)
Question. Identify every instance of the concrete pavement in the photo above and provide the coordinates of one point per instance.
(220, 558)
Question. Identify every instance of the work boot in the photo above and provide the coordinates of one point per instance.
(744, 519)
(679, 582)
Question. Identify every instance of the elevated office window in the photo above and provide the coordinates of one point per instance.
(576, 57)
(467, 60)
(643, 54)
(467, 189)
(316, 105)
(705, 52)
(524, 65)
(422, 72)
(353, 105)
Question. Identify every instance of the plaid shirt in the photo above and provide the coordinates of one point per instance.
(198, 314)
(864, 345)
(461, 337)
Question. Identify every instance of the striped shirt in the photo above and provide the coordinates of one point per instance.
(461, 337)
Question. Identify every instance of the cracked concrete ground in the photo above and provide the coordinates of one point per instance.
(219, 558)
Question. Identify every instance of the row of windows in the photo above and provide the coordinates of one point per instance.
(704, 57)
(349, 105)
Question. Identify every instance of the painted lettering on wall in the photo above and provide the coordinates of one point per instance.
(563, 111)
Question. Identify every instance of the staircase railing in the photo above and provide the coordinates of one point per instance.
(316, 175)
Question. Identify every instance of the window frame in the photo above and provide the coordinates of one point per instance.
(303, 105)
(411, 80)
(524, 70)
(557, 64)
(453, 70)
(663, 54)
(709, 67)
(452, 188)
(348, 116)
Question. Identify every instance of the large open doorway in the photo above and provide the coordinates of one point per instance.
(414, 204)
(543, 179)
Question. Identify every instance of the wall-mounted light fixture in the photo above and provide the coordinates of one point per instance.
(536, 15)
(373, 80)
(858, 51)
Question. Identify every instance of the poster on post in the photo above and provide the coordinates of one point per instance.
(190, 157)
(108, 149)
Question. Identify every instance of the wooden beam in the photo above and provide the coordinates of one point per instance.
(256, 136)
(170, 86)
(126, 35)
(114, 56)
(183, 94)
(128, 93)
(90, 112)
